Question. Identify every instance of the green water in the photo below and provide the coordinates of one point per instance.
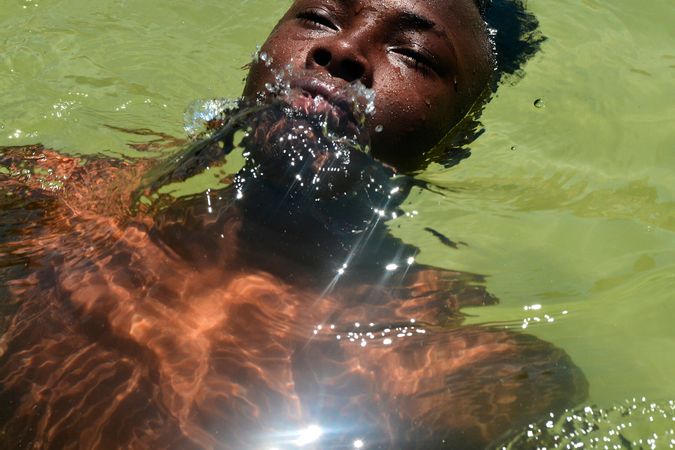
(570, 206)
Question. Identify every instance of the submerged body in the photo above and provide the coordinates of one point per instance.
(266, 314)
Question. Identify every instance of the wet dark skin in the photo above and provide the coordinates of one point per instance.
(216, 321)
(427, 61)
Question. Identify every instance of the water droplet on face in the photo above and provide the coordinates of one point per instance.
(539, 103)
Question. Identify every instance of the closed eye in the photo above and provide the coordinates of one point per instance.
(317, 17)
(416, 59)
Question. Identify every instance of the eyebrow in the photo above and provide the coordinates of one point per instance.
(411, 20)
(414, 21)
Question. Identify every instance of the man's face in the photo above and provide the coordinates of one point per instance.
(427, 61)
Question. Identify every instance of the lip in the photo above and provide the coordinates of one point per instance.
(331, 92)
(335, 95)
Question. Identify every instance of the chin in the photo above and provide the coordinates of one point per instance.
(310, 139)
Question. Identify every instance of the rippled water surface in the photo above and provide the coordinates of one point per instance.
(568, 206)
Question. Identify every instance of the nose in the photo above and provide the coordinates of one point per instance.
(341, 58)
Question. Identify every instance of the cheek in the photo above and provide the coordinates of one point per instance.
(278, 47)
(283, 50)
(288, 45)
(406, 106)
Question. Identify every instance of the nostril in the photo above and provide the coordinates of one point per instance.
(322, 57)
(352, 70)
(339, 62)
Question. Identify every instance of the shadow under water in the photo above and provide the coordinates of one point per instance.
(275, 311)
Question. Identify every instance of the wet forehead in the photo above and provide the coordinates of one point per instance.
(447, 16)
(440, 9)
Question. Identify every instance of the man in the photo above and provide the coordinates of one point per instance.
(276, 311)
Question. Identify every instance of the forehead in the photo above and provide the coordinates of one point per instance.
(452, 18)
(440, 9)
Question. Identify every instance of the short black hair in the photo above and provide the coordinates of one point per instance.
(515, 34)
(482, 5)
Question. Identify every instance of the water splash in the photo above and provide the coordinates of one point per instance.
(309, 145)
(635, 423)
(200, 115)
(360, 98)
